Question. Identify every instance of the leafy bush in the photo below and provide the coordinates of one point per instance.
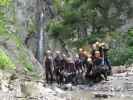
(4, 2)
(5, 61)
(121, 56)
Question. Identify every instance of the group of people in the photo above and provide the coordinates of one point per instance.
(92, 65)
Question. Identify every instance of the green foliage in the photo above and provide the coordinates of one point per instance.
(2, 24)
(130, 37)
(121, 56)
(76, 16)
(3, 20)
(5, 61)
(87, 40)
(79, 43)
(24, 60)
(122, 53)
(130, 32)
(4, 32)
(4, 2)
(28, 67)
(16, 39)
(60, 31)
(31, 26)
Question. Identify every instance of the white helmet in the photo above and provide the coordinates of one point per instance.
(57, 52)
(48, 51)
(89, 60)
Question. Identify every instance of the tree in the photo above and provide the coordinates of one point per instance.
(99, 16)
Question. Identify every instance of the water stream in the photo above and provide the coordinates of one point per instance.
(119, 87)
(41, 38)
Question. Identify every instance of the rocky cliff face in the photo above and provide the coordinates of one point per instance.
(24, 17)
(22, 58)
(31, 19)
(22, 40)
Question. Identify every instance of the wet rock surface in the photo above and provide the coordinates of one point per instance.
(119, 86)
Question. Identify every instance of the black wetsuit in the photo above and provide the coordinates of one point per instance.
(48, 67)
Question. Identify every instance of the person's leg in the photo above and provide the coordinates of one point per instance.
(104, 72)
(51, 75)
(55, 74)
(47, 76)
(109, 65)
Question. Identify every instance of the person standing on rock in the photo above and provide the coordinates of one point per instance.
(78, 64)
(58, 67)
(48, 64)
(103, 48)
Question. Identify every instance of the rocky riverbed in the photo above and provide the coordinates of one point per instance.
(19, 87)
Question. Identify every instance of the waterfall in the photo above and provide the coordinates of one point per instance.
(40, 51)
(44, 14)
